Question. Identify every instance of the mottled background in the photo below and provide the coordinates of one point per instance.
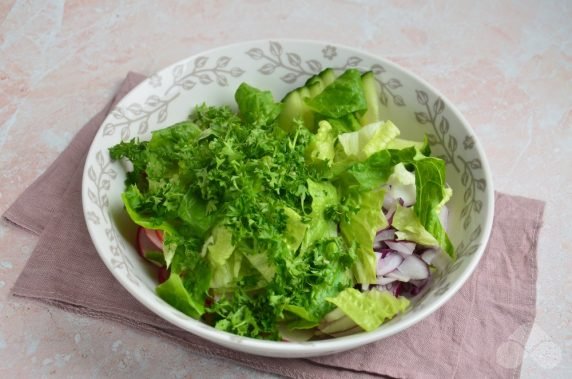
(507, 66)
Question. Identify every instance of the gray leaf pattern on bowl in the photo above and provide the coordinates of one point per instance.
(134, 120)
(100, 175)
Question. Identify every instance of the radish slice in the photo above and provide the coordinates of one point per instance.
(154, 237)
(389, 263)
(401, 247)
(414, 268)
(143, 242)
(159, 234)
(163, 274)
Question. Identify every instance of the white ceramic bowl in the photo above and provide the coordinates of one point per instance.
(280, 65)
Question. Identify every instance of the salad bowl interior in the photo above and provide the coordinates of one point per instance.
(212, 77)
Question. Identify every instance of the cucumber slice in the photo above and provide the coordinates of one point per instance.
(307, 113)
(371, 89)
(294, 103)
(328, 76)
(291, 109)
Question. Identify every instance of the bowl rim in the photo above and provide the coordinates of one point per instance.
(320, 347)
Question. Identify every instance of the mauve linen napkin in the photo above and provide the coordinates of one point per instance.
(463, 339)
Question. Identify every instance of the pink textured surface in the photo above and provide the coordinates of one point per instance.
(508, 67)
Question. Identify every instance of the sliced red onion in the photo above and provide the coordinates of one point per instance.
(389, 214)
(383, 235)
(382, 280)
(389, 263)
(428, 255)
(444, 216)
(398, 275)
(404, 192)
(401, 246)
(414, 268)
(388, 201)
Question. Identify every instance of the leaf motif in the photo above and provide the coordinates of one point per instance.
(467, 222)
(99, 158)
(275, 48)
(188, 84)
(481, 184)
(118, 114)
(353, 61)
(422, 117)
(108, 129)
(478, 206)
(476, 233)
(235, 72)
(422, 97)
(377, 69)
(105, 201)
(205, 79)
(125, 133)
(442, 290)
(91, 174)
(452, 144)
(475, 164)
(112, 173)
(105, 184)
(222, 62)
(177, 71)
(91, 216)
(200, 62)
(398, 100)
(153, 101)
(471, 250)
(135, 108)
(433, 140)
(162, 115)
(468, 193)
(465, 178)
(444, 126)
(289, 78)
(383, 97)
(465, 211)
(92, 197)
(294, 59)
(394, 83)
(221, 80)
(255, 53)
(143, 126)
(438, 106)
(267, 69)
(314, 65)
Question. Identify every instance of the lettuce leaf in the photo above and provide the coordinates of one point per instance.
(409, 227)
(256, 106)
(369, 309)
(431, 192)
(361, 228)
(370, 139)
(345, 95)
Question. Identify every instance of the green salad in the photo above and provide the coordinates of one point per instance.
(282, 220)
